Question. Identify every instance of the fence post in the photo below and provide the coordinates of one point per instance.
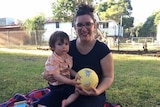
(8, 39)
(35, 32)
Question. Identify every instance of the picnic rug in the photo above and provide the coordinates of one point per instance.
(30, 99)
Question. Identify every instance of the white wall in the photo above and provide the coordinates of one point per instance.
(158, 33)
(51, 27)
(113, 29)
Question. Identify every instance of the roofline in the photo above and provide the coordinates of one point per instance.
(10, 26)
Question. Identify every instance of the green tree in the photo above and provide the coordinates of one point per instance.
(119, 11)
(127, 22)
(157, 18)
(138, 27)
(64, 10)
(133, 31)
(33, 27)
(113, 9)
(84, 1)
(149, 28)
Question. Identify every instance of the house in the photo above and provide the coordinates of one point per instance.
(52, 26)
(6, 21)
(158, 33)
(110, 30)
(10, 28)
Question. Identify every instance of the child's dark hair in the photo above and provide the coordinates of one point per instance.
(84, 9)
(57, 35)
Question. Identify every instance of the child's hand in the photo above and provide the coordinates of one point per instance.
(75, 81)
(77, 77)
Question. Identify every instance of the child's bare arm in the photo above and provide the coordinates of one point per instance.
(73, 73)
(63, 79)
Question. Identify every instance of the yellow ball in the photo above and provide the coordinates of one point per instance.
(88, 78)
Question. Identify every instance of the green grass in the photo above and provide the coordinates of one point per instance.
(136, 84)
(20, 73)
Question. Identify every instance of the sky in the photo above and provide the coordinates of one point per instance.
(142, 9)
(23, 9)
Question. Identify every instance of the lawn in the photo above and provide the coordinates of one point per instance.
(136, 84)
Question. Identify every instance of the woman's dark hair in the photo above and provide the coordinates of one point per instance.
(84, 9)
(57, 35)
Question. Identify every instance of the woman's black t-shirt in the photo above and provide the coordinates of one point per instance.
(90, 60)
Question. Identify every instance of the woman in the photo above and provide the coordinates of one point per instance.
(91, 53)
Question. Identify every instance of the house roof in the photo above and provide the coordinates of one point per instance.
(10, 27)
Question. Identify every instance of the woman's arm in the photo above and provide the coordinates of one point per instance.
(107, 65)
(52, 77)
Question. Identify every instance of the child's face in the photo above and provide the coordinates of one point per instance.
(61, 48)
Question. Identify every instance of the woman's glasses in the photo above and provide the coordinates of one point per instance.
(87, 25)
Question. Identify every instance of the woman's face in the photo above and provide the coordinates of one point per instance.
(85, 27)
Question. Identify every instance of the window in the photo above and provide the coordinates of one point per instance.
(57, 24)
(72, 23)
(105, 25)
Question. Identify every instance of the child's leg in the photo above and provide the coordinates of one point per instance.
(41, 105)
(70, 99)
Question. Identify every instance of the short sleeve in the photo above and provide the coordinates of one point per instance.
(101, 49)
(52, 66)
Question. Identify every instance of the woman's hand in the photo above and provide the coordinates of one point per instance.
(92, 92)
(80, 90)
(48, 77)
